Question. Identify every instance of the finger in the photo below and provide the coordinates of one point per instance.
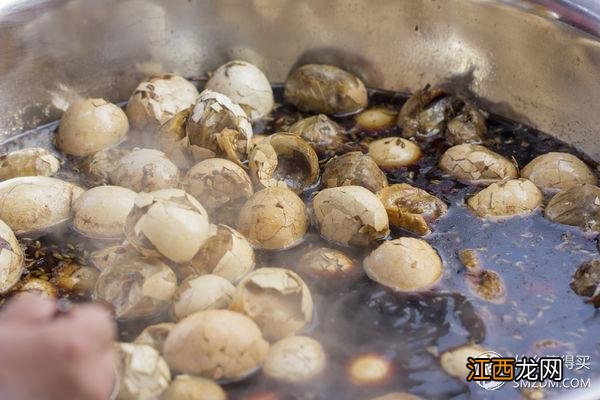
(29, 309)
(102, 368)
(91, 321)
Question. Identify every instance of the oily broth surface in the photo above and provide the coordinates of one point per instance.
(535, 257)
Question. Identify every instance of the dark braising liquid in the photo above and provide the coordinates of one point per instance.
(535, 257)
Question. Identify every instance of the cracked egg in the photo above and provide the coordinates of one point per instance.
(411, 208)
(221, 186)
(284, 160)
(89, 126)
(353, 169)
(558, 171)
(323, 134)
(155, 335)
(142, 372)
(506, 199)
(158, 99)
(274, 219)
(277, 299)
(225, 253)
(328, 268)
(168, 223)
(33, 205)
(205, 292)
(11, 259)
(577, 206)
(216, 344)
(326, 89)
(218, 127)
(295, 359)
(145, 170)
(138, 288)
(100, 212)
(476, 164)
(32, 161)
(350, 216)
(244, 84)
(405, 265)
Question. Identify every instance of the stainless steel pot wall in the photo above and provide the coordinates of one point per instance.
(517, 60)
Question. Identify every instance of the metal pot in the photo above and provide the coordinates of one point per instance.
(514, 56)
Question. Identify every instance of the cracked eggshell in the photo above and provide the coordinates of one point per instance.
(33, 161)
(404, 265)
(138, 288)
(226, 253)
(411, 208)
(558, 171)
(89, 126)
(274, 219)
(353, 169)
(468, 127)
(323, 134)
(216, 344)
(577, 206)
(295, 359)
(423, 113)
(277, 299)
(103, 258)
(284, 160)
(394, 152)
(145, 170)
(155, 335)
(218, 127)
(98, 167)
(350, 216)
(205, 292)
(244, 84)
(75, 278)
(221, 186)
(186, 387)
(11, 259)
(156, 100)
(454, 362)
(506, 199)
(32, 205)
(476, 164)
(142, 372)
(169, 223)
(172, 140)
(325, 268)
(326, 89)
(101, 212)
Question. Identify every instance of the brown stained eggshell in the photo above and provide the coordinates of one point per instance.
(405, 264)
(411, 208)
(216, 344)
(277, 299)
(274, 219)
(350, 216)
(476, 164)
(506, 199)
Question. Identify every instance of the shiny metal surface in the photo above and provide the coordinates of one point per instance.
(523, 65)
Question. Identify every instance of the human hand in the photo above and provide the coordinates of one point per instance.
(50, 356)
